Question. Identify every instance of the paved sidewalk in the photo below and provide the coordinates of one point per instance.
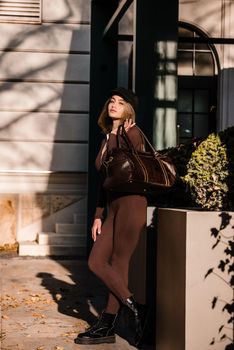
(45, 302)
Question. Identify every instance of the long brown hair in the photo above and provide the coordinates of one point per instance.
(105, 122)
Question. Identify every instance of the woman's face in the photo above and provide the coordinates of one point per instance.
(116, 107)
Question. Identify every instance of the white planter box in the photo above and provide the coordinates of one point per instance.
(185, 317)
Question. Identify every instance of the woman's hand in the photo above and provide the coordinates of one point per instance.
(128, 124)
(96, 228)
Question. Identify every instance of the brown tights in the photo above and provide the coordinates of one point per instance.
(111, 253)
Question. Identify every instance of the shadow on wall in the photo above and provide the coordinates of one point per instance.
(70, 148)
(224, 271)
(44, 118)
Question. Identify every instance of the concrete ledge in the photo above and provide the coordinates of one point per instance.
(188, 280)
(35, 249)
(52, 238)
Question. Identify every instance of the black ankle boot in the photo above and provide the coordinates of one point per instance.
(140, 317)
(101, 332)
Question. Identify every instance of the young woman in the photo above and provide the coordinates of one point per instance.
(116, 237)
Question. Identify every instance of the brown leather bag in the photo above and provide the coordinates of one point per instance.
(131, 171)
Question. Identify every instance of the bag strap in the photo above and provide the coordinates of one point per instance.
(121, 130)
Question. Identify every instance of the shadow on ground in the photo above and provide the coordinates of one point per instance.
(83, 296)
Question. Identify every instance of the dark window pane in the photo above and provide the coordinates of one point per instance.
(204, 63)
(185, 46)
(185, 63)
(186, 34)
(201, 101)
(185, 100)
(201, 125)
(185, 125)
(201, 46)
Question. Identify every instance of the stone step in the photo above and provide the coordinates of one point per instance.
(70, 228)
(35, 249)
(67, 239)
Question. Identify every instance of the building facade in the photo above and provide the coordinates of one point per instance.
(44, 104)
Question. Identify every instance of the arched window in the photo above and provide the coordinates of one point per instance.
(194, 58)
(197, 84)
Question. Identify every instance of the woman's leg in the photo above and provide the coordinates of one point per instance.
(103, 331)
(129, 223)
(111, 253)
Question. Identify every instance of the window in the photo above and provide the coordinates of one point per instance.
(194, 59)
(197, 87)
(20, 11)
(193, 113)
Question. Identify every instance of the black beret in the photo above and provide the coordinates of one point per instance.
(127, 95)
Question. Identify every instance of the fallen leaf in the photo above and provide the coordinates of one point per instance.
(38, 315)
(35, 299)
(58, 348)
(2, 335)
(68, 334)
(5, 317)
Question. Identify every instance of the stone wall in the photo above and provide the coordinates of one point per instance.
(44, 105)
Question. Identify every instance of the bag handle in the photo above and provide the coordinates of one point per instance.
(122, 130)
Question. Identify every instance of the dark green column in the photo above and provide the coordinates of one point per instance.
(103, 77)
(155, 51)
(155, 65)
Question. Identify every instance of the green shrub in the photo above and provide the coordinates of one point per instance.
(227, 138)
(207, 174)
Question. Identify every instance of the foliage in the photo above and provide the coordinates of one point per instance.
(207, 173)
(205, 170)
(227, 138)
